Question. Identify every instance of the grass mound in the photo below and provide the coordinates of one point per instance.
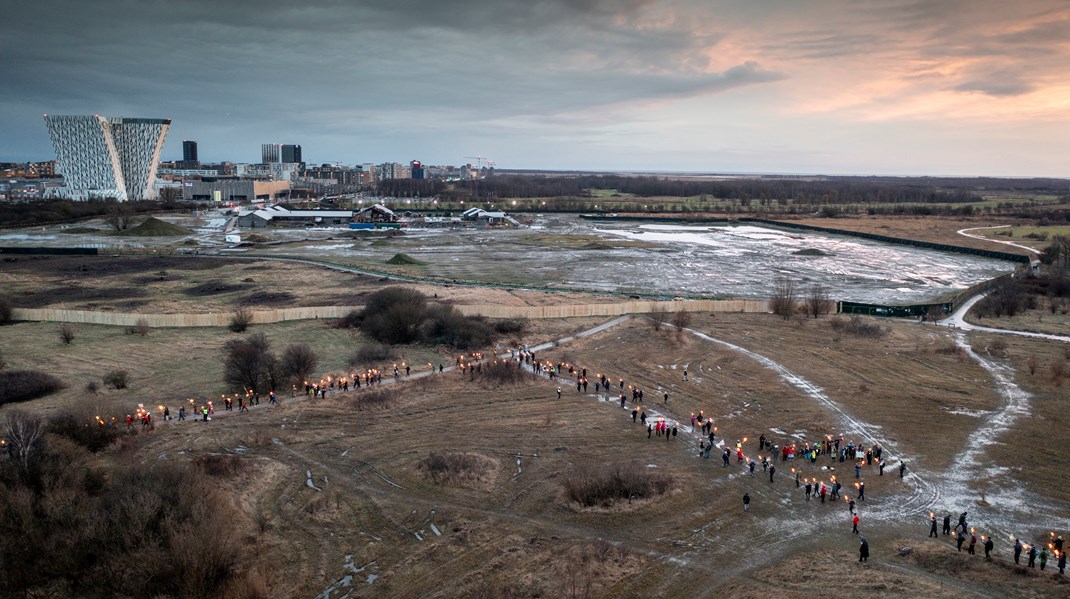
(154, 227)
(403, 259)
(811, 252)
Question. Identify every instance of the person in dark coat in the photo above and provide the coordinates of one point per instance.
(947, 524)
(988, 548)
(1017, 550)
(932, 528)
(863, 549)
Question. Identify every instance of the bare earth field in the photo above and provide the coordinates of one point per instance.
(337, 504)
(167, 285)
(922, 228)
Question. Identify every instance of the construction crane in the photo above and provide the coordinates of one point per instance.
(479, 160)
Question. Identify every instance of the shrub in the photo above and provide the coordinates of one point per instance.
(448, 467)
(6, 311)
(91, 387)
(241, 320)
(351, 320)
(603, 484)
(24, 385)
(141, 328)
(658, 317)
(377, 397)
(66, 333)
(219, 465)
(85, 430)
(445, 325)
(371, 353)
(785, 297)
(511, 326)
(249, 364)
(298, 361)
(507, 373)
(117, 379)
(681, 320)
(858, 327)
(393, 315)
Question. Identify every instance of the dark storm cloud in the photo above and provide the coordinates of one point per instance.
(281, 63)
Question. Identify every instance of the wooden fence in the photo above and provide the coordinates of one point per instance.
(128, 319)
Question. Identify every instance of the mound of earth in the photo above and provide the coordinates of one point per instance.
(154, 227)
(811, 252)
(403, 259)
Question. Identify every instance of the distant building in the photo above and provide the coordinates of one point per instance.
(376, 213)
(416, 169)
(291, 154)
(107, 157)
(279, 216)
(269, 153)
(189, 154)
(235, 190)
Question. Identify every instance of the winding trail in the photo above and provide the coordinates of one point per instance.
(958, 320)
(966, 233)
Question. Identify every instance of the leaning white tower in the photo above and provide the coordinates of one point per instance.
(108, 157)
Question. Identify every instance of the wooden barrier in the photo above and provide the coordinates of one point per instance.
(129, 319)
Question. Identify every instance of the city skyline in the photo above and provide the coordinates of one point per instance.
(837, 87)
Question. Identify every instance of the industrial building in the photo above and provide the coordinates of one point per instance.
(113, 157)
(235, 190)
(279, 216)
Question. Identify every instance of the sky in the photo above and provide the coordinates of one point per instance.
(900, 87)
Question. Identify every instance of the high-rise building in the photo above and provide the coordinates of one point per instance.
(107, 157)
(417, 169)
(269, 153)
(189, 153)
(291, 154)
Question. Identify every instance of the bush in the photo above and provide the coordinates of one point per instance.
(371, 353)
(504, 373)
(375, 398)
(249, 364)
(85, 430)
(24, 385)
(445, 325)
(141, 328)
(219, 465)
(511, 326)
(298, 361)
(117, 379)
(241, 320)
(351, 320)
(66, 333)
(858, 327)
(393, 315)
(448, 467)
(603, 484)
(6, 311)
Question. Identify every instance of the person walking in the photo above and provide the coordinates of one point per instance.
(772, 471)
(988, 548)
(1062, 562)
(863, 549)
(1033, 556)
(851, 506)
(746, 502)
(862, 491)
(1017, 550)
(854, 524)
(947, 524)
(809, 488)
(932, 527)
(1043, 557)
(902, 468)
(973, 544)
(959, 540)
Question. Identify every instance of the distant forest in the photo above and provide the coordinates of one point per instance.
(828, 195)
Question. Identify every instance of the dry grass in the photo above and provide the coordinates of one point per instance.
(516, 533)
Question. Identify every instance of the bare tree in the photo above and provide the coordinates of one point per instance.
(241, 319)
(818, 301)
(681, 320)
(170, 194)
(23, 431)
(120, 216)
(66, 333)
(658, 317)
(783, 302)
(244, 362)
(299, 361)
